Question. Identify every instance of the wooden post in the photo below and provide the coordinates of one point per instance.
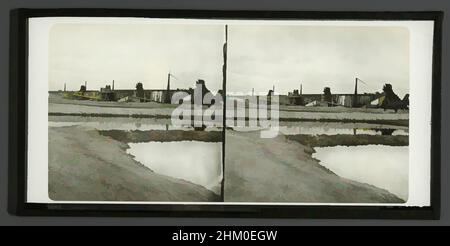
(224, 117)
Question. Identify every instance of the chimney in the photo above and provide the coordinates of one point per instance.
(168, 81)
(355, 96)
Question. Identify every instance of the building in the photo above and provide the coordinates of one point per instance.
(107, 94)
(139, 94)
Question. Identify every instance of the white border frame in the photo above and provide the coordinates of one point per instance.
(420, 69)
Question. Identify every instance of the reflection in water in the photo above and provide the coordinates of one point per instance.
(196, 162)
(111, 125)
(296, 130)
(383, 166)
(286, 128)
(387, 132)
(200, 128)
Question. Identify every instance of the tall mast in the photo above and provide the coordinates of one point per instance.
(224, 117)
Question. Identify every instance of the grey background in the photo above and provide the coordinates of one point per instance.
(317, 5)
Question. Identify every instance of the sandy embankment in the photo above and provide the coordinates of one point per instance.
(85, 166)
(348, 140)
(280, 170)
(163, 136)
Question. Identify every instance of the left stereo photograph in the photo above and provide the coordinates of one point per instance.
(112, 91)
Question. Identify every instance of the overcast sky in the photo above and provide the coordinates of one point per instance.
(259, 57)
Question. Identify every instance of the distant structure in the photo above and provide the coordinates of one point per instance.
(199, 85)
(168, 93)
(327, 97)
(295, 98)
(83, 89)
(140, 93)
(392, 101)
(167, 96)
(406, 100)
(354, 99)
(106, 94)
(387, 99)
(355, 95)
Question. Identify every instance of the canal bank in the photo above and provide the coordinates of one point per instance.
(281, 170)
(101, 165)
(86, 166)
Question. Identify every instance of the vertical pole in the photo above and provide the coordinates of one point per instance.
(113, 85)
(64, 87)
(167, 96)
(355, 97)
(85, 85)
(301, 89)
(168, 81)
(224, 117)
